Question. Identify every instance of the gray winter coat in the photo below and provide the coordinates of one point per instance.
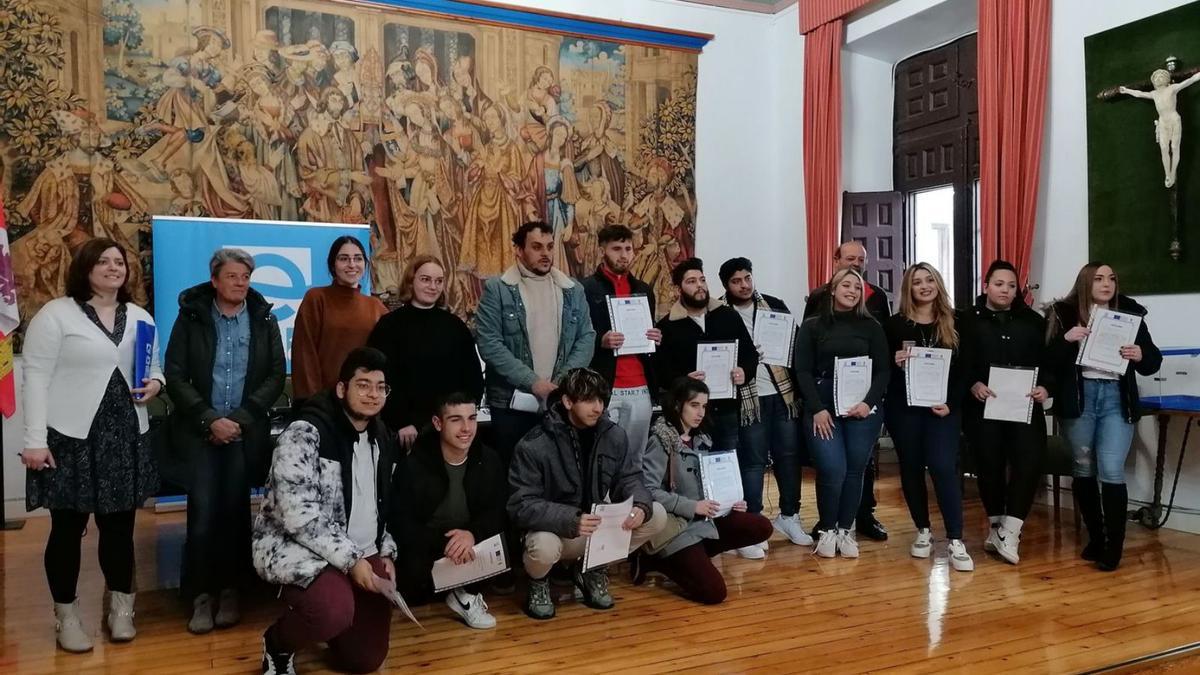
(546, 475)
(668, 460)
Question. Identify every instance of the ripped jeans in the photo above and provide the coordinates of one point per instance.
(1100, 436)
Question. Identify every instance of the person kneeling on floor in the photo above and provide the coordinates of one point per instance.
(574, 458)
(450, 495)
(320, 533)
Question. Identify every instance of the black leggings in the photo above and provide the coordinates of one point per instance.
(62, 551)
(1010, 458)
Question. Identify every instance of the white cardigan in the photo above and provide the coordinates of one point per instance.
(68, 362)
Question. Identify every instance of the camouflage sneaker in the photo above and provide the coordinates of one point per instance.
(538, 603)
(594, 586)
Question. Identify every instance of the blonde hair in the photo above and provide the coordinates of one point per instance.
(410, 273)
(943, 313)
(861, 309)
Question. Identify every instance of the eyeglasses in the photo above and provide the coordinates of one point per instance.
(350, 259)
(363, 387)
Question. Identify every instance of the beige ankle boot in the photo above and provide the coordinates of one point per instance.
(120, 616)
(69, 630)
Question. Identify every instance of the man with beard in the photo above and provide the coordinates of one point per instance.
(532, 326)
(631, 375)
(853, 255)
(321, 532)
(698, 317)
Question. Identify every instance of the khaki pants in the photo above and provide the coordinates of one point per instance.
(543, 549)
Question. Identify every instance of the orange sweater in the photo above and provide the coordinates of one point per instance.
(332, 321)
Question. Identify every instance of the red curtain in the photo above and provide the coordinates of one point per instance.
(1014, 63)
(822, 145)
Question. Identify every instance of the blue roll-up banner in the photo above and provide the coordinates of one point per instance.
(289, 259)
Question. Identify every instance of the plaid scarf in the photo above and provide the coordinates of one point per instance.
(781, 377)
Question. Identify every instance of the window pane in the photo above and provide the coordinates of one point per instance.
(933, 230)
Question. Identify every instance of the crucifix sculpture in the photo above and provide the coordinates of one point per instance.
(1168, 128)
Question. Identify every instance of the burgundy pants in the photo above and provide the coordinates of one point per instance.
(333, 609)
(692, 567)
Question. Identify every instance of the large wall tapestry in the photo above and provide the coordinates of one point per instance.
(1143, 153)
(443, 134)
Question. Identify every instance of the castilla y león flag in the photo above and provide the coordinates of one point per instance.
(10, 318)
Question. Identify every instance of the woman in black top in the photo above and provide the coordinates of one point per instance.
(840, 444)
(927, 436)
(1008, 333)
(1097, 408)
(430, 352)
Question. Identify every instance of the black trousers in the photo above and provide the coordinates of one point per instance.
(62, 551)
(1010, 458)
(866, 504)
(217, 549)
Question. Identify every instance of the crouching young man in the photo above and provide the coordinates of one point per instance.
(320, 534)
(574, 458)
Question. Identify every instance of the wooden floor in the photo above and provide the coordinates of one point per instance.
(789, 613)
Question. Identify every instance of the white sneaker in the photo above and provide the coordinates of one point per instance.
(847, 547)
(922, 546)
(826, 543)
(765, 545)
(472, 609)
(960, 560)
(793, 528)
(1010, 538)
(752, 552)
(992, 543)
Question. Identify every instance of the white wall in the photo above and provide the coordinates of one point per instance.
(1060, 244)
(749, 169)
(867, 112)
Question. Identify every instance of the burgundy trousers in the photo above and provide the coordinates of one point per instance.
(692, 569)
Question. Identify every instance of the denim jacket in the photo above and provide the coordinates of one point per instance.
(503, 335)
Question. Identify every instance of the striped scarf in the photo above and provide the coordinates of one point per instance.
(781, 377)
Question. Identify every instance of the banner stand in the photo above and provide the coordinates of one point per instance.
(15, 523)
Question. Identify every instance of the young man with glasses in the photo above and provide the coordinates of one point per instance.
(321, 532)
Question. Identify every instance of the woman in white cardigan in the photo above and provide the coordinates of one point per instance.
(86, 453)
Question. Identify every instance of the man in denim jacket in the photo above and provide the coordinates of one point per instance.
(532, 327)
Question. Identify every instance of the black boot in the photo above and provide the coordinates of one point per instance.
(1116, 502)
(1087, 500)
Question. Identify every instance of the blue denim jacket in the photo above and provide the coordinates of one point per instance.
(503, 335)
(231, 359)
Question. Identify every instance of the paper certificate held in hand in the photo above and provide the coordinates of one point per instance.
(1012, 402)
(717, 361)
(927, 376)
(610, 542)
(387, 588)
(721, 478)
(851, 382)
(630, 317)
(489, 561)
(1110, 330)
(773, 332)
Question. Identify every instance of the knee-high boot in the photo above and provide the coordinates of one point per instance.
(1087, 500)
(1116, 504)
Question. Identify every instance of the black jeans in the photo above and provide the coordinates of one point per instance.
(1009, 457)
(217, 550)
(925, 441)
(62, 551)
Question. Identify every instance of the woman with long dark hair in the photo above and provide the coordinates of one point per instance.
(926, 438)
(1098, 408)
(86, 452)
(696, 531)
(1006, 332)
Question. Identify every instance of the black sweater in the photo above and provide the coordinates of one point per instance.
(430, 353)
(842, 335)
(1061, 356)
(1013, 338)
(676, 356)
(900, 328)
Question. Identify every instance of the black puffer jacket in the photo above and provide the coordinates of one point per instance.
(1016, 337)
(188, 367)
(1061, 356)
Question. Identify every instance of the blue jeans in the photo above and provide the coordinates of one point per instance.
(925, 441)
(773, 437)
(1100, 436)
(840, 461)
(725, 428)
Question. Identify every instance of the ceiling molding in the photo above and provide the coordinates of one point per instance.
(758, 6)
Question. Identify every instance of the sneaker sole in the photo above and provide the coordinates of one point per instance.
(962, 567)
(919, 553)
(535, 616)
(802, 541)
(825, 555)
